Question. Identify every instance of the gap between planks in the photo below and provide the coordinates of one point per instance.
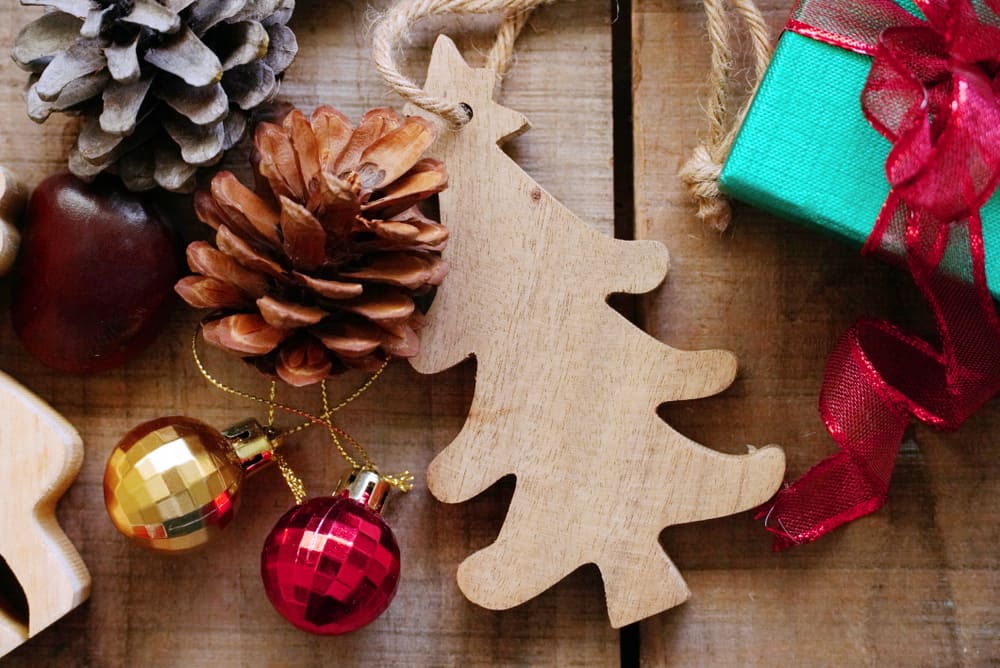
(623, 150)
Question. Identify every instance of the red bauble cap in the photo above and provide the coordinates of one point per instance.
(331, 565)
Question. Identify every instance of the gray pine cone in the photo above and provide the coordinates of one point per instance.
(163, 86)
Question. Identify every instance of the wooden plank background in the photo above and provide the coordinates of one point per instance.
(916, 584)
(209, 608)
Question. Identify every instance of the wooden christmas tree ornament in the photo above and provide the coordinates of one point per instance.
(566, 388)
(41, 454)
(13, 195)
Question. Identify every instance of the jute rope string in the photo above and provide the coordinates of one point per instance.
(392, 31)
(701, 172)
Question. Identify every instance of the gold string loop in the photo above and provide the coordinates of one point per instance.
(402, 481)
(293, 481)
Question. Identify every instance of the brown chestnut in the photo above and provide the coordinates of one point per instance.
(95, 276)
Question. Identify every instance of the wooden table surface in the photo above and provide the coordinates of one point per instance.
(915, 584)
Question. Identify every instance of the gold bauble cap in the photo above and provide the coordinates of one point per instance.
(365, 486)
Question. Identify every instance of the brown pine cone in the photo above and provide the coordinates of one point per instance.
(316, 271)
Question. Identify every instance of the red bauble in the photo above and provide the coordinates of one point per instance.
(95, 276)
(331, 565)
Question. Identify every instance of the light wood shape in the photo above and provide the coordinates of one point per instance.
(13, 195)
(566, 388)
(41, 454)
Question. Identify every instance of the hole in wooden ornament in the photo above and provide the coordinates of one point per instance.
(468, 110)
(13, 601)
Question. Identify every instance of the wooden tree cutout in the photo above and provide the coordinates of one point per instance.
(41, 454)
(12, 198)
(566, 388)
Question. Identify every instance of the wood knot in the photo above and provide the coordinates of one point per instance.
(536, 194)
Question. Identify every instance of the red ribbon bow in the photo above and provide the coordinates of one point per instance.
(934, 92)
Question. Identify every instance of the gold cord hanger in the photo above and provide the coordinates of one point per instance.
(403, 481)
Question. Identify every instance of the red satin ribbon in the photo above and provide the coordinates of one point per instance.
(934, 92)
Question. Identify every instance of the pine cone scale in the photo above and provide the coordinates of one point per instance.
(73, 94)
(285, 315)
(404, 344)
(185, 56)
(199, 144)
(383, 307)
(333, 132)
(177, 6)
(303, 238)
(95, 144)
(373, 126)
(211, 293)
(206, 105)
(241, 43)
(208, 211)
(303, 362)
(206, 14)
(250, 85)
(335, 290)
(230, 244)
(336, 202)
(399, 269)
(248, 213)
(395, 153)
(77, 8)
(425, 179)
(282, 47)
(261, 10)
(204, 259)
(244, 333)
(148, 14)
(278, 163)
(306, 149)
(169, 169)
(122, 103)
(348, 340)
(81, 59)
(39, 42)
(123, 61)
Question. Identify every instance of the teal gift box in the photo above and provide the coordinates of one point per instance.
(806, 152)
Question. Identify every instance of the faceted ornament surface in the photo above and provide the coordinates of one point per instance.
(330, 566)
(171, 484)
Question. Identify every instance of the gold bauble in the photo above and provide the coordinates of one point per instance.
(174, 482)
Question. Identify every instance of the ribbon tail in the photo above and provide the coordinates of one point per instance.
(834, 492)
(857, 406)
(877, 377)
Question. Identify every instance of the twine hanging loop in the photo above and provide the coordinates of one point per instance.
(702, 171)
(700, 174)
(392, 32)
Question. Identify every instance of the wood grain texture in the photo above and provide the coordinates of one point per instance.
(566, 389)
(918, 582)
(42, 454)
(209, 608)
